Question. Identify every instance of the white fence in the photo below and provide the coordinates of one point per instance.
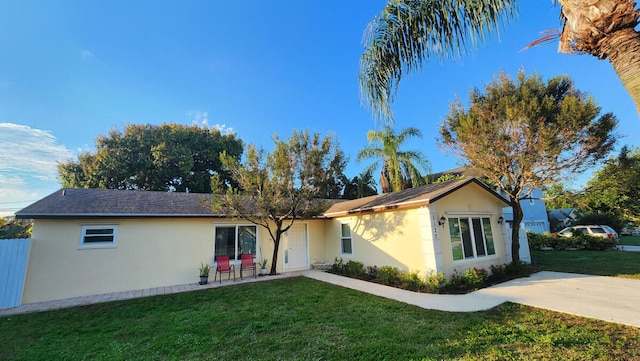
(14, 257)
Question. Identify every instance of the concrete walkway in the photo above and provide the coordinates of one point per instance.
(605, 298)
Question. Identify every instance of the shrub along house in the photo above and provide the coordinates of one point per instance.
(91, 241)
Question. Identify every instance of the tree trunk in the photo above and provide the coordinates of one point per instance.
(384, 181)
(605, 29)
(626, 62)
(276, 247)
(515, 231)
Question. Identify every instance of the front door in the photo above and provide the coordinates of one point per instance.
(295, 250)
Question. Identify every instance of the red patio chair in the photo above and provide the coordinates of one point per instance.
(223, 266)
(247, 263)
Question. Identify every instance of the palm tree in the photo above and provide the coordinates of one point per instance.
(606, 30)
(362, 185)
(409, 32)
(400, 169)
(366, 184)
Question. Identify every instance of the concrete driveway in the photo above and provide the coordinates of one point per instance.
(606, 298)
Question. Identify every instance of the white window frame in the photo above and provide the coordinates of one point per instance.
(474, 250)
(343, 238)
(98, 244)
(236, 258)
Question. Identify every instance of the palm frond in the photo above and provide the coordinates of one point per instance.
(410, 32)
(548, 36)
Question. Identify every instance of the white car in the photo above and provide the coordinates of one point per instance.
(611, 231)
(592, 230)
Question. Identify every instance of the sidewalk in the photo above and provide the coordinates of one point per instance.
(629, 248)
(606, 298)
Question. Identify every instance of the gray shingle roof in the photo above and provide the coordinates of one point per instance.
(413, 197)
(562, 214)
(88, 203)
(460, 171)
(81, 202)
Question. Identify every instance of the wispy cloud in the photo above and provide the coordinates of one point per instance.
(202, 119)
(86, 55)
(30, 151)
(5, 84)
(28, 164)
(14, 195)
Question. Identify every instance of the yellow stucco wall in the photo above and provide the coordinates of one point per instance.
(383, 239)
(471, 201)
(412, 240)
(317, 240)
(150, 252)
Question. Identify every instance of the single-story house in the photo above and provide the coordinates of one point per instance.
(93, 241)
(534, 209)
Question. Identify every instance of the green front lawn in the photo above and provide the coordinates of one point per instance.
(630, 240)
(603, 263)
(304, 319)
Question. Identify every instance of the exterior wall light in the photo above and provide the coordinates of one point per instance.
(442, 221)
(500, 220)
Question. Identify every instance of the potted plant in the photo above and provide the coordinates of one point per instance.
(263, 266)
(204, 273)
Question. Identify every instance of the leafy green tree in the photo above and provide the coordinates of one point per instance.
(15, 228)
(366, 185)
(556, 196)
(400, 169)
(333, 187)
(350, 187)
(278, 188)
(525, 134)
(447, 177)
(362, 185)
(408, 33)
(158, 158)
(615, 189)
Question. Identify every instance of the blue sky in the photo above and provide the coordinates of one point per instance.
(73, 70)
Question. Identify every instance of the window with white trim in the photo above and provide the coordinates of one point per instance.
(471, 237)
(346, 244)
(234, 240)
(99, 235)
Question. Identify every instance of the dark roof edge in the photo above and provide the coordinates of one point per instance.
(132, 215)
(476, 181)
(384, 207)
(118, 215)
(495, 194)
(418, 203)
